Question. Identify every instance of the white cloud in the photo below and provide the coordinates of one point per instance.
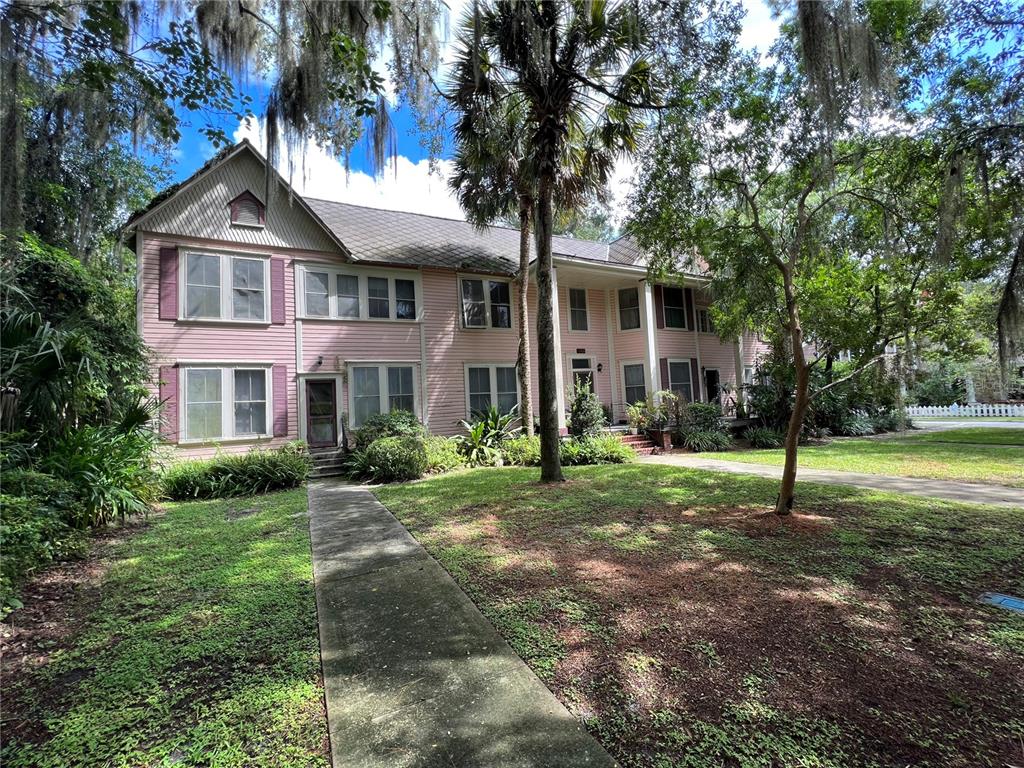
(759, 28)
(404, 186)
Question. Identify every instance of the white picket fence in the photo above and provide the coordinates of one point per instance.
(980, 411)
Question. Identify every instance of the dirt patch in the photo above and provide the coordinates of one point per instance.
(715, 636)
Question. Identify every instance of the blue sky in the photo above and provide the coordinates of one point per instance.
(411, 184)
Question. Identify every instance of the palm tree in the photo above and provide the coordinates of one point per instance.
(576, 72)
(493, 180)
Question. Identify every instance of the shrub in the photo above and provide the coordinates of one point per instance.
(586, 414)
(523, 451)
(890, 421)
(702, 417)
(764, 437)
(700, 441)
(854, 425)
(637, 415)
(111, 468)
(238, 474)
(443, 454)
(600, 449)
(395, 459)
(391, 424)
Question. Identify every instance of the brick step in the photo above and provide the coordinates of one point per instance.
(648, 451)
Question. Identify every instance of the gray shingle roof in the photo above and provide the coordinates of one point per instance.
(396, 237)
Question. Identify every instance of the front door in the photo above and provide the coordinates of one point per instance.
(712, 386)
(321, 413)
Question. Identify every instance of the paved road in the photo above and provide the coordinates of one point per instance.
(414, 674)
(913, 486)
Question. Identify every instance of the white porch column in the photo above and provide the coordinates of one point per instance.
(613, 363)
(651, 339)
(559, 362)
(741, 394)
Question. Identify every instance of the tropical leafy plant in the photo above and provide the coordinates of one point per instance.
(764, 437)
(699, 441)
(484, 438)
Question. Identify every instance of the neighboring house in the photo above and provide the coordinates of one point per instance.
(273, 317)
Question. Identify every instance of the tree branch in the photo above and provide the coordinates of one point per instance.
(849, 376)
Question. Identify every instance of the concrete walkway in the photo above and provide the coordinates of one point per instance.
(414, 674)
(912, 486)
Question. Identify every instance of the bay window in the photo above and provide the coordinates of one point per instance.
(225, 402)
(486, 303)
(380, 388)
(488, 385)
(629, 309)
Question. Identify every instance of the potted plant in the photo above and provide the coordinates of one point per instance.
(636, 417)
(658, 418)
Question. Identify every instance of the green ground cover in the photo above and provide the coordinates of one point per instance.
(195, 644)
(974, 455)
(686, 626)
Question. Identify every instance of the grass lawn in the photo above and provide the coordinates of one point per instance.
(973, 455)
(192, 642)
(686, 626)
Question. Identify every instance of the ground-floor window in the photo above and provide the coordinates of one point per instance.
(379, 389)
(488, 385)
(582, 373)
(634, 384)
(222, 403)
(679, 379)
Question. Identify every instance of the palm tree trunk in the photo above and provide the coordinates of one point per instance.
(550, 460)
(523, 284)
(784, 504)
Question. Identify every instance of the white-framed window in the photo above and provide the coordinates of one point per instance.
(748, 375)
(225, 402)
(704, 322)
(674, 300)
(490, 384)
(380, 388)
(634, 383)
(629, 309)
(680, 379)
(224, 286)
(486, 302)
(354, 293)
(578, 318)
(582, 370)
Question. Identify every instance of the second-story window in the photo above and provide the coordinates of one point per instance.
(704, 322)
(578, 320)
(377, 290)
(225, 287)
(350, 293)
(486, 303)
(629, 308)
(675, 307)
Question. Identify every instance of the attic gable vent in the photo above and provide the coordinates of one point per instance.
(247, 210)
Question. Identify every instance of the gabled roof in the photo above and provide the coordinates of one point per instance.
(219, 159)
(381, 236)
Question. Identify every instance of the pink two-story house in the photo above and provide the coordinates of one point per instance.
(272, 317)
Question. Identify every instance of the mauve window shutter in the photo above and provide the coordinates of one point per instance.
(280, 373)
(277, 291)
(169, 283)
(659, 306)
(695, 379)
(663, 367)
(690, 322)
(169, 398)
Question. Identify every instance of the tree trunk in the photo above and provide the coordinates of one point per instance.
(784, 504)
(523, 284)
(550, 459)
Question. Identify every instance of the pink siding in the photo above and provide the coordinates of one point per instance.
(172, 341)
(753, 349)
(594, 340)
(450, 347)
